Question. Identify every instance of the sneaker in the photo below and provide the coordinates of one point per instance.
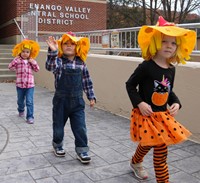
(139, 171)
(21, 114)
(84, 157)
(59, 152)
(30, 121)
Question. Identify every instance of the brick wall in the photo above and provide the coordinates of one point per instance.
(56, 16)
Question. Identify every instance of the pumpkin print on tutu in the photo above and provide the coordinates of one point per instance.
(161, 92)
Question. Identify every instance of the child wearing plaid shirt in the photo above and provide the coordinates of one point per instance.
(24, 65)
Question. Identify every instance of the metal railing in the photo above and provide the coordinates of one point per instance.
(22, 34)
(125, 39)
(118, 41)
(29, 25)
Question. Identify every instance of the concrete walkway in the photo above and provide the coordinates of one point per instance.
(26, 153)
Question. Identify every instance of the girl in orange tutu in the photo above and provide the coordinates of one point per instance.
(150, 89)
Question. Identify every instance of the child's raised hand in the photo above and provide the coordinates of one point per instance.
(145, 109)
(173, 109)
(52, 43)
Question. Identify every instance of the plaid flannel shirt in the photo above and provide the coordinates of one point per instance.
(24, 72)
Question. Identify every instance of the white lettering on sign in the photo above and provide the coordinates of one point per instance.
(44, 14)
(46, 7)
(77, 9)
(59, 14)
(73, 16)
(54, 21)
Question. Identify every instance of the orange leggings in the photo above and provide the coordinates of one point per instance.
(159, 159)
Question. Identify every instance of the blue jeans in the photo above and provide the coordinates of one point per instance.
(25, 94)
(72, 108)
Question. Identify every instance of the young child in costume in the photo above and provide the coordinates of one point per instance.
(150, 89)
(24, 65)
(66, 59)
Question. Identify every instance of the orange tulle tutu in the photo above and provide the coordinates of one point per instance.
(159, 128)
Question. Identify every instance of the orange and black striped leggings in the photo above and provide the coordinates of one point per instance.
(159, 160)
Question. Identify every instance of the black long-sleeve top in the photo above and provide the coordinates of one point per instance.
(149, 78)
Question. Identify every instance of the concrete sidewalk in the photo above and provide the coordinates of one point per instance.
(27, 157)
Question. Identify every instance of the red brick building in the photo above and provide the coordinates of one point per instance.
(57, 16)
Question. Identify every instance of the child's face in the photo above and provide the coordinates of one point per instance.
(69, 48)
(25, 54)
(168, 47)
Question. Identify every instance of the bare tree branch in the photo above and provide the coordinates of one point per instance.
(127, 13)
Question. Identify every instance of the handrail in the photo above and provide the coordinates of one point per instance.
(125, 39)
(19, 29)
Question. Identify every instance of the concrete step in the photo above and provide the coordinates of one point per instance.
(2, 51)
(6, 72)
(7, 78)
(6, 46)
(6, 60)
(3, 65)
(6, 55)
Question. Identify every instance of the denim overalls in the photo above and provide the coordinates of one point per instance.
(68, 102)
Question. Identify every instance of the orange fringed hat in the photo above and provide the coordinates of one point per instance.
(82, 45)
(26, 44)
(150, 40)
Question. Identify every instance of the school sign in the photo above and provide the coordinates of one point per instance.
(53, 16)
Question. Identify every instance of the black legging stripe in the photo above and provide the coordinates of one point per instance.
(140, 153)
(160, 163)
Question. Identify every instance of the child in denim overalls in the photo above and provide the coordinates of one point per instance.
(66, 59)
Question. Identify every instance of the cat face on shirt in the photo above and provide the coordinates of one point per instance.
(161, 92)
(160, 88)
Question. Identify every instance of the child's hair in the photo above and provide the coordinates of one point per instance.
(82, 45)
(150, 40)
(32, 45)
(71, 37)
(156, 44)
